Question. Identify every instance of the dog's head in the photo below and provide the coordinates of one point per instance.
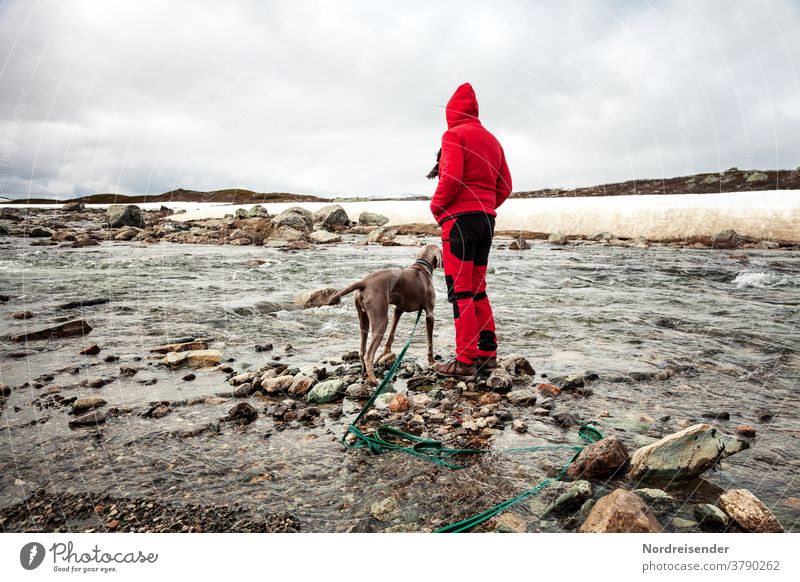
(432, 254)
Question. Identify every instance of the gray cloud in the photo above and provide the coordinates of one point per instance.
(346, 98)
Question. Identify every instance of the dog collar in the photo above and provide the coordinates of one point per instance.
(426, 264)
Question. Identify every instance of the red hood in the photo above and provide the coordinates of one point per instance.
(463, 106)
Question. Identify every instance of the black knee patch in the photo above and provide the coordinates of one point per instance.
(479, 296)
(487, 341)
(456, 310)
(451, 290)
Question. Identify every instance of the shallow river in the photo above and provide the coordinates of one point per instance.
(728, 320)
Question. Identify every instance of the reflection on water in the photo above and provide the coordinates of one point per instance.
(725, 321)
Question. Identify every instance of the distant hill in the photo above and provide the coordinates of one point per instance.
(732, 180)
(231, 195)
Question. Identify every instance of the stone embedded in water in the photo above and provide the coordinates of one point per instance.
(556, 238)
(746, 430)
(519, 244)
(179, 347)
(727, 239)
(316, 298)
(323, 237)
(294, 217)
(749, 512)
(548, 389)
(572, 382)
(279, 384)
(710, 515)
(242, 413)
(566, 419)
(192, 358)
(81, 405)
(301, 385)
(524, 397)
(655, 497)
(600, 459)
(620, 512)
(68, 329)
(684, 454)
(90, 419)
(124, 215)
(245, 390)
(326, 392)
(92, 350)
(382, 235)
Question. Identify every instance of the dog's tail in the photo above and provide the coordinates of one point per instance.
(336, 297)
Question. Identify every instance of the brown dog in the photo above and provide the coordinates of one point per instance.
(409, 290)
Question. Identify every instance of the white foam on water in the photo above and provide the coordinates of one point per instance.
(756, 279)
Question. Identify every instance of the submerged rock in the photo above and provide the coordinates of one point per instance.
(749, 511)
(91, 419)
(68, 329)
(242, 413)
(600, 459)
(620, 512)
(326, 392)
(684, 454)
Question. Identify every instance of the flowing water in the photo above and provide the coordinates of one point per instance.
(726, 321)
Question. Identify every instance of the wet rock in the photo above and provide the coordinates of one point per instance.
(710, 515)
(749, 512)
(81, 303)
(242, 414)
(371, 219)
(326, 392)
(539, 411)
(519, 426)
(301, 385)
(192, 358)
(566, 419)
(420, 401)
(399, 403)
(681, 523)
(22, 315)
(727, 239)
(73, 207)
(684, 454)
(78, 327)
(746, 430)
(96, 382)
(655, 497)
(242, 378)
(90, 419)
(384, 509)
(716, 415)
(500, 380)
(127, 233)
(307, 414)
(516, 364)
(548, 389)
(382, 235)
(508, 522)
(39, 232)
(257, 211)
(119, 215)
(330, 216)
(519, 244)
(82, 405)
(189, 377)
(186, 346)
(358, 390)
(600, 459)
(92, 350)
(323, 237)
(574, 496)
(315, 298)
(294, 217)
(277, 384)
(556, 238)
(489, 398)
(245, 390)
(524, 397)
(158, 410)
(128, 371)
(572, 382)
(620, 512)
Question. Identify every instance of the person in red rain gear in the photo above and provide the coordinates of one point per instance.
(473, 182)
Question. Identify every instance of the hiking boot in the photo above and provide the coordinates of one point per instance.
(455, 369)
(486, 365)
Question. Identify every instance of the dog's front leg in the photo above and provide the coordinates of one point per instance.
(429, 331)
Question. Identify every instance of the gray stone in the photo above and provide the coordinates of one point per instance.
(655, 497)
(384, 509)
(556, 238)
(124, 215)
(294, 217)
(524, 397)
(323, 237)
(500, 380)
(331, 216)
(326, 392)
(81, 405)
(684, 454)
(575, 495)
(90, 419)
(372, 219)
(710, 515)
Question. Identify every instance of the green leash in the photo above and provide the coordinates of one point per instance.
(385, 438)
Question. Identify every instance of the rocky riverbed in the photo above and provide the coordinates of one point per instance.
(188, 388)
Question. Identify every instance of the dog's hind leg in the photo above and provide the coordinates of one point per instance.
(363, 322)
(429, 333)
(377, 324)
(390, 340)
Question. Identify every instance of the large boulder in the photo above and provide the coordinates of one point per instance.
(749, 512)
(294, 217)
(620, 512)
(257, 211)
(727, 239)
(124, 215)
(372, 219)
(382, 235)
(684, 454)
(331, 216)
(323, 237)
(73, 207)
(599, 460)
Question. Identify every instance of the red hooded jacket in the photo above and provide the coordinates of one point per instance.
(473, 175)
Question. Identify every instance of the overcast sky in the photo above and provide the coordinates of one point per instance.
(346, 98)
